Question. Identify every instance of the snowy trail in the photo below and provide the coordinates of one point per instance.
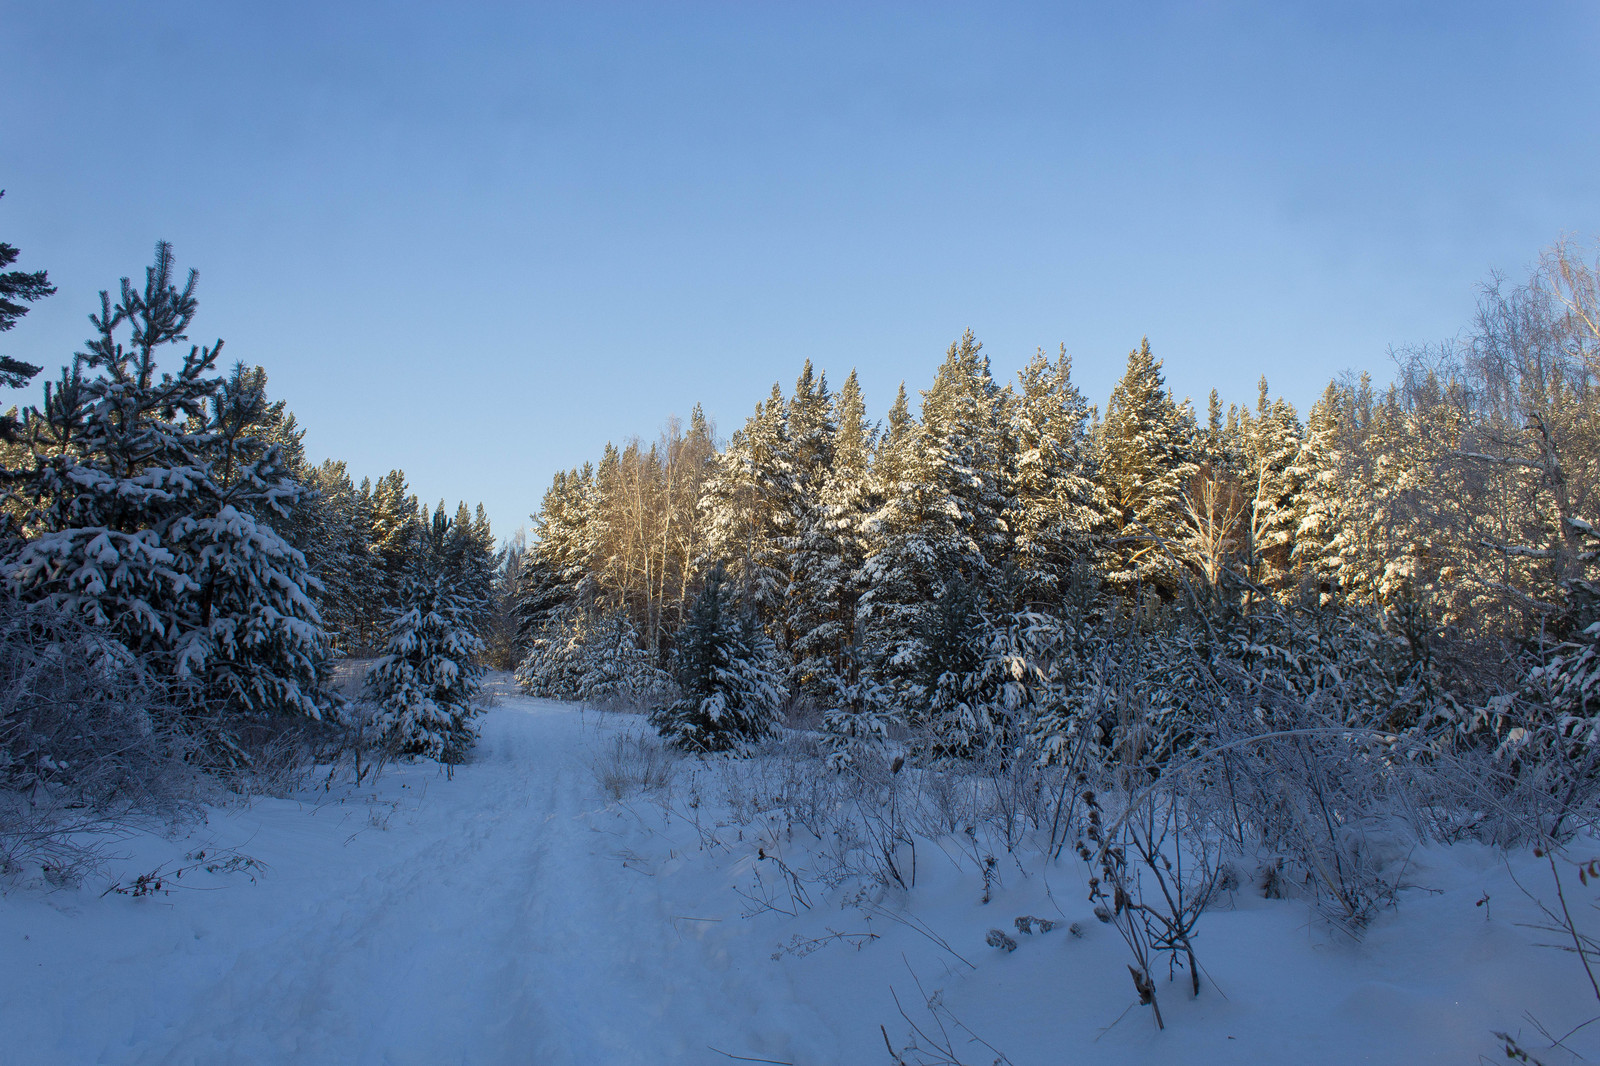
(513, 916)
(498, 927)
(478, 944)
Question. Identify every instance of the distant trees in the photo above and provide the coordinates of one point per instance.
(964, 570)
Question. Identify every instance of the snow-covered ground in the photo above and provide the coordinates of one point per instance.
(515, 914)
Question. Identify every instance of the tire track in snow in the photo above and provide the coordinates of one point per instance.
(502, 930)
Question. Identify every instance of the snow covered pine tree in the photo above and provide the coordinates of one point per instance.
(729, 675)
(153, 504)
(425, 684)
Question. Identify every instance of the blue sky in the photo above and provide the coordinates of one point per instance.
(477, 241)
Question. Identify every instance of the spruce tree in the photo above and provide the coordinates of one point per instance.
(1146, 459)
(426, 683)
(337, 547)
(747, 509)
(1321, 468)
(829, 549)
(942, 516)
(730, 680)
(502, 645)
(1058, 515)
(812, 431)
(1268, 445)
(470, 561)
(591, 657)
(253, 635)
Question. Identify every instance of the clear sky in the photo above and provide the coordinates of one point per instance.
(476, 241)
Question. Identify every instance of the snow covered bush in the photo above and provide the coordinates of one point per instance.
(731, 681)
(79, 717)
(86, 735)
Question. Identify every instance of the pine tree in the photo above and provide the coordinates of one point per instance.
(426, 683)
(560, 568)
(398, 522)
(18, 289)
(729, 676)
(154, 509)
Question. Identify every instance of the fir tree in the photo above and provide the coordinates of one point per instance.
(426, 683)
(728, 674)
(1058, 514)
(943, 513)
(1146, 448)
(398, 522)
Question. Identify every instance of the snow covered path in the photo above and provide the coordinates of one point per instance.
(489, 924)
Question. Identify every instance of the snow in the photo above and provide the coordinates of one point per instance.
(513, 913)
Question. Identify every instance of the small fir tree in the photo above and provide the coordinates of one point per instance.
(728, 674)
(426, 683)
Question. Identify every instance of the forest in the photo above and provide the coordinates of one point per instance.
(1193, 648)
(1013, 569)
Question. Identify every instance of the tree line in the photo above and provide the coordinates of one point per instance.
(1421, 553)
